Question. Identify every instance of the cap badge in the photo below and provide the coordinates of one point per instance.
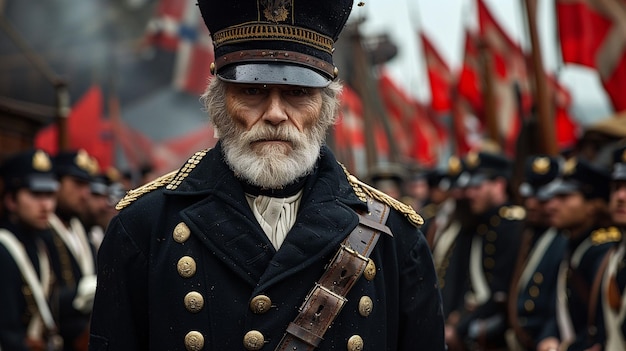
(82, 160)
(570, 166)
(41, 161)
(454, 165)
(472, 160)
(541, 165)
(276, 10)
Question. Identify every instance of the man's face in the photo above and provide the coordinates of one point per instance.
(617, 203)
(100, 210)
(272, 133)
(535, 211)
(567, 211)
(31, 209)
(480, 196)
(73, 196)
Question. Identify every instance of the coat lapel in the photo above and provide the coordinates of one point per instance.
(224, 223)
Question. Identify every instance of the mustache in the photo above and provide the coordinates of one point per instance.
(265, 133)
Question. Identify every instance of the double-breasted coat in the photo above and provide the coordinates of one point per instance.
(184, 265)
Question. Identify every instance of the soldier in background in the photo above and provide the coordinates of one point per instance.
(495, 240)
(532, 298)
(106, 191)
(73, 256)
(577, 207)
(613, 299)
(26, 279)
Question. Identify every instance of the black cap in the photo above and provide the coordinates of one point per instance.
(619, 163)
(483, 166)
(454, 174)
(539, 170)
(32, 169)
(102, 182)
(578, 175)
(78, 164)
(275, 41)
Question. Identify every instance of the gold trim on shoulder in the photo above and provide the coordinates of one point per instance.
(136, 193)
(364, 191)
(605, 235)
(512, 213)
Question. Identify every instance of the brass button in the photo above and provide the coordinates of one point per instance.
(538, 278)
(533, 291)
(181, 232)
(490, 249)
(194, 341)
(194, 302)
(186, 267)
(365, 306)
(489, 263)
(370, 270)
(355, 343)
(253, 340)
(260, 304)
(529, 305)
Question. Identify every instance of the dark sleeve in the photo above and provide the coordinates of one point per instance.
(421, 314)
(12, 331)
(120, 312)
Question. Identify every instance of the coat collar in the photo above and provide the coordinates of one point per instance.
(220, 217)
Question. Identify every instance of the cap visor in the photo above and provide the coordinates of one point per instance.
(619, 172)
(273, 73)
(557, 187)
(43, 185)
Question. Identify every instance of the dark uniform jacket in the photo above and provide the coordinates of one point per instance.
(17, 305)
(533, 300)
(140, 301)
(584, 256)
(498, 234)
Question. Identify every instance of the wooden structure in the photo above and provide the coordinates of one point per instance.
(19, 123)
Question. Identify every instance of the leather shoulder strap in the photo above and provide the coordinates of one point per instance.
(325, 301)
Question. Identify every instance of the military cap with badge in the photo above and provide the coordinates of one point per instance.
(483, 166)
(539, 170)
(78, 164)
(578, 175)
(619, 163)
(32, 169)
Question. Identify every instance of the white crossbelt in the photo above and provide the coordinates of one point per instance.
(613, 320)
(77, 242)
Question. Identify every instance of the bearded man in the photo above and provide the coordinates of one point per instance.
(265, 241)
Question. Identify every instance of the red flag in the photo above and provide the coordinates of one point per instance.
(178, 25)
(439, 76)
(86, 130)
(567, 130)
(469, 84)
(349, 132)
(509, 69)
(591, 34)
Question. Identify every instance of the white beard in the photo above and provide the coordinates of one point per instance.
(272, 166)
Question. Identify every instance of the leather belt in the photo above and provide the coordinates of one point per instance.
(327, 298)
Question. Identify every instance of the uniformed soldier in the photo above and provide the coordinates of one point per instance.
(26, 279)
(577, 207)
(613, 299)
(265, 242)
(72, 254)
(105, 193)
(494, 243)
(533, 287)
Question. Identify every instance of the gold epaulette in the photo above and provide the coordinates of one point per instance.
(605, 235)
(512, 213)
(364, 191)
(136, 193)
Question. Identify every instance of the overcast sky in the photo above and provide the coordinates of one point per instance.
(444, 22)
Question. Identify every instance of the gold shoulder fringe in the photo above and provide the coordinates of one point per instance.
(364, 191)
(606, 235)
(136, 193)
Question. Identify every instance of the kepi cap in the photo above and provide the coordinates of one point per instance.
(275, 41)
(32, 169)
(78, 164)
(578, 175)
(539, 170)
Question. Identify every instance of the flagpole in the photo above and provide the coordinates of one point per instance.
(542, 95)
(60, 86)
(491, 118)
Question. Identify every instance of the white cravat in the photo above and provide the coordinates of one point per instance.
(275, 215)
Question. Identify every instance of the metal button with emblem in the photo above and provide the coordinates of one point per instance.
(181, 233)
(370, 270)
(529, 305)
(186, 267)
(355, 343)
(365, 306)
(194, 341)
(260, 304)
(253, 340)
(194, 302)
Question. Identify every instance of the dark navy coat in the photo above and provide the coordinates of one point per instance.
(140, 298)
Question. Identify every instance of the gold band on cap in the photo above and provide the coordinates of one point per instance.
(272, 31)
(276, 56)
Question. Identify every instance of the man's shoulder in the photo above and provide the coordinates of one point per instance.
(365, 192)
(134, 194)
